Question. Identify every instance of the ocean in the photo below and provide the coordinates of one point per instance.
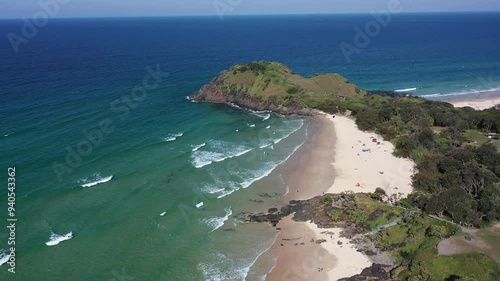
(120, 177)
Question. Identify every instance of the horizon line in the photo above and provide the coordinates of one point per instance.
(250, 14)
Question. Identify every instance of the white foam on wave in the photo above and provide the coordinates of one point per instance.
(406, 90)
(6, 135)
(471, 92)
(224, 267)
(162, 214)
(268, 127)
(226, 193)
(173, 137)
(98, 180)
(233, 105)
(251, 126)
(199, 205)
(196, 147)
(218, 222)
(222, 152)
(275, 260)
(266, 145)
(260, 174)
(4, 257)
(55, 239)
(250, 179)
(250, 176)
(301, 123)
(212, 189)
(218, 271)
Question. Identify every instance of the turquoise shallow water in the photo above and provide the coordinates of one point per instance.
(130, 201)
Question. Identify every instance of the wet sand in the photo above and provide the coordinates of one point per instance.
(308, 173)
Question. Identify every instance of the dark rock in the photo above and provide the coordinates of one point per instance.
(339, 243)
(319, 241)
(272, 210)
(374, 272)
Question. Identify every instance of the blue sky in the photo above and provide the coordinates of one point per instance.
(100, 8)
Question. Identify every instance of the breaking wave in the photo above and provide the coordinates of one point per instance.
(96, 179)
(55, 239)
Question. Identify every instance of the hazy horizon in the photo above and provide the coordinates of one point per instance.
(154, 8)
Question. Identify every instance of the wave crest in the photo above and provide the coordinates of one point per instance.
(97, 179)
(55, 239)
(218, 222)
(173, 137)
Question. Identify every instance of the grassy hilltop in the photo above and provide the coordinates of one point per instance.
(273, 86)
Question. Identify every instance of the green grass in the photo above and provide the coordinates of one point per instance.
(466, 267)
(478, 138)
(275, 82)
(413, 240)
(413, 245)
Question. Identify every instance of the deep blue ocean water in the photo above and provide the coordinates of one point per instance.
(163, 154)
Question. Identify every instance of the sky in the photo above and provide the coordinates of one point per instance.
(116, 8)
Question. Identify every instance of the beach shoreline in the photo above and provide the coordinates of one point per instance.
(308, 173)
(479, 100)
(325, 164)
(338, 157)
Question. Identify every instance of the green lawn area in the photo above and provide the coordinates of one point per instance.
(466, 267)
(413, 244)
(478, 138)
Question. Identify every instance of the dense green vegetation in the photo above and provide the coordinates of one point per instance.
(276, 84)
(458, 167)
(455, 176)
(361, 209)
(411, 237)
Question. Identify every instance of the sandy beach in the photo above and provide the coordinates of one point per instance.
(477, 104)
(332, 160)
(362, 164)
(478, 101)
(302, 257)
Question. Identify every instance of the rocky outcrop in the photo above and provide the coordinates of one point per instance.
(375, 272)
(316, 210)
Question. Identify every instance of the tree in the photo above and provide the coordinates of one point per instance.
(379, 194)
(487, 155)
(367, 119)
